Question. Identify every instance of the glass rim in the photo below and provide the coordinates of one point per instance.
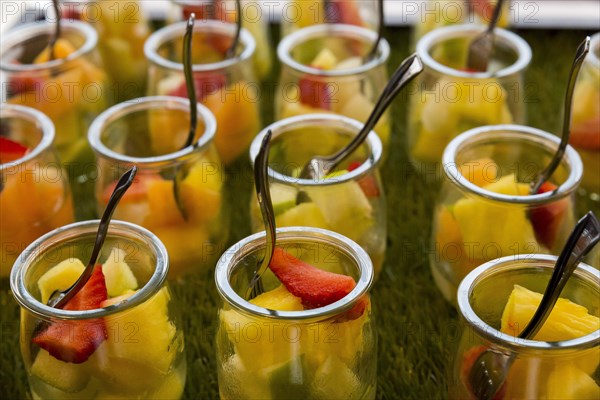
(594, 54)
(512, 40)
(176, 30)
(147, 103)
(288, 43)
(27, 258)
(281, 127)
(508, 132)
(27, 31)
(508, 341)
(227, 264)
(42, 122)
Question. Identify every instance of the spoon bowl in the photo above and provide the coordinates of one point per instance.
(481, 48)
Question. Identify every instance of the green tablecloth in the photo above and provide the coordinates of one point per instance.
(417, 328)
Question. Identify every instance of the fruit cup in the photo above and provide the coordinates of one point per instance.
(228, 87)
(318, 343)
(298, 14)
(177, 193)
(34, 191)
(585, 122)
(119, 337)
(484, 210)
(349, 201)
(495, 303)
(71, 89)
(323, 70)
(255, 19)
(450, 100)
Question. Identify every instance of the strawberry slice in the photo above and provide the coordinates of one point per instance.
(205, 85)
(547, 219)
(586, 135)
(315, 93)
(135, 193)
(11, 150)
(368, 184)
(469, 359)
(343, 12)
(75, 341)
(23, 82)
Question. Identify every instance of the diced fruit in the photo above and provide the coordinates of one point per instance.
(480, 172)
(188, 245)
(325, 60)
(138, 191)
(62, 49)
(60, 277)
(368, 184)
(304, 214)
(291, 380)
(343, 12)
(315, 92)
(118, 275)
(586, 135)
(548, 219)
(334, 380)
(316, 288)
(236, 381)
(11, 150)
(163, 207)
(359, 107)
(283, 197)
(67, 377)
(75, 341)
(279, 299)
(569, 382)
(205, 85)
(200, 192)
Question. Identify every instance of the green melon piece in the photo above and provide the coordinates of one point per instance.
(60, 277)
(117, 274)
(71, 378)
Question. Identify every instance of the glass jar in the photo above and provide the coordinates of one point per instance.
(35, 196)
(178, 192)
(255, 20)
(540, 369)
(484, 210)
(228, 87)
(319, 353)
(585, 121)
(350, 201)
(137, 346)
(71, 90)
(323, 70)
(298, 14)
(450, 100)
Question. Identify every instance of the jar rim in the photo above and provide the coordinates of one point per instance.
(594, 54)
(283, 126)
(227, 264)
(147, 103)
(488, 332)
(288, 43)
(30, 30)
(482, 134)
(176, 30)
(27, 258)
(512, 40)
(42, 122)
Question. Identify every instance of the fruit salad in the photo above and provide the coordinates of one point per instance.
(228, 88)
(34, 190)
(330, 356)
(133, 351)
(324, 71)
(71, 90)
(254, 20)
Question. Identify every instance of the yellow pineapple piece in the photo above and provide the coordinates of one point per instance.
(200, 191)
(64, 376)
(279, 299)
(569, 382)
(117, 274)
(304, 214)
(60, 277)
(325, 60)
(480, 172)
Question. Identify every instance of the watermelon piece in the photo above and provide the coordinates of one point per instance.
(548, 219)
(11, 150)
(368, 184)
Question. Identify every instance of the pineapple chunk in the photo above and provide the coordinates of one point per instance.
(279, 299)
(64, 376)
(325, 60)
(119, 277)
(60, 277)
(569, 382)
(305, 214)
(334, 380)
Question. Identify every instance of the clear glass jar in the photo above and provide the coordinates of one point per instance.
(71, 90)
(351, 201)
(228, 87)
(320, 353)
(449, 100)
(122, 28)
(297, 14)
(314, 80)
(585, 121)
(484, 210)
(255, 20)
(178, 193)
(540, 370)
(139, 351)
(35, 196)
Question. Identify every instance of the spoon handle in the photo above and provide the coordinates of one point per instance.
(189, 78)
(583, 239)
(380, 28)
(234, 44)
(57, 28)
(495, 16)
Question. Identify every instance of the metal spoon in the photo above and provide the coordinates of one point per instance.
(320, 166)
(231, 50)
(189, 78)
(480, 49)
(543, 176)
(491, 368)
(54, 38)
(261, 183)
(373, 52)
(58, 299)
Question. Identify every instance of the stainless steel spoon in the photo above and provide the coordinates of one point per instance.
(231, 50)
(480, 49)
(488, 373)
(261, 183)
(320, 166)
(543, 176)
(58, 299)
(57, 28)
(381, 20)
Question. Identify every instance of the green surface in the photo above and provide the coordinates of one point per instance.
(417, 328)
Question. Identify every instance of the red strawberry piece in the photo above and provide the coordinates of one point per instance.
(23, 82)
(205, 85)
(136, 192)
(70, 12)
(469, 359)
(315, 93)
(202, 11)
(586, 135)
(75, 341)
(343, 12)
(368, 184)
(11, 150)
(547, 219)
(483, 8)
